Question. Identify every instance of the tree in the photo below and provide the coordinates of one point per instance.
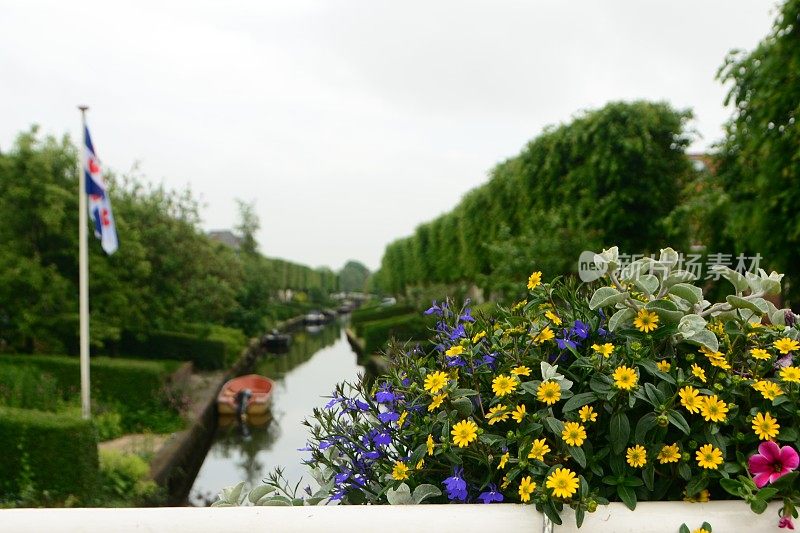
(248, 226)
(353, 277)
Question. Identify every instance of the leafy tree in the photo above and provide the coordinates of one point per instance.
(353, 277)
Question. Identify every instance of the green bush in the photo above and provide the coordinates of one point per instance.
(206, 354)
(370, 314)
(27, 387)
(125, 480)
(56, 453)
(234, 339)
(412, 326)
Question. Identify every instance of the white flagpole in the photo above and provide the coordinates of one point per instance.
(83, 275)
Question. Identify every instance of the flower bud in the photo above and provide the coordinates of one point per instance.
(663, 421)
(692, 444)
(689, 357)
(510, 434)
(719, 387)
(591, 506)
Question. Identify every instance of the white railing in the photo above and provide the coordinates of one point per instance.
(724, 516)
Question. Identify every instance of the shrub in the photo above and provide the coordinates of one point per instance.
(403, 328)
(125, 480)
(370, 314)
(27, 387)
(56, 453)
(206, 354)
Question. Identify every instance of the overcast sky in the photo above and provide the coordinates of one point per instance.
(349, 122)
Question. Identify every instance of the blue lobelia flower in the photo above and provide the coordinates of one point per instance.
(580, 330)
(467, 316)
(458, 333)
(456, 486)
(384, 395)
(388, 416)
(492, 495)
(382, 439)
(434, 309)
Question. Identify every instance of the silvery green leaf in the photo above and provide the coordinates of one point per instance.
(669, 257)
(666, 310)
(620, 318)
(273, 500)
(690, 325)
(739, 282)
(605, 296)
(610, 257)
(792, 333)
(679, 276)
(548, 370)
(756, 305)
(636, 269)
(463, 406)
(688, 292)
(770, 284)
(683, 305)
(316, 500)
(221, 503)
(259, 492)
(648, 283)
(425, 491)
(778, 317)
(399, 496)
(704, 338)
(754, 282)
(565, 384)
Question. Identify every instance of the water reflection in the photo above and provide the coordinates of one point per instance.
(315, 362)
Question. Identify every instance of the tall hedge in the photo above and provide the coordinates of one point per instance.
(46, 451)
(611, 176)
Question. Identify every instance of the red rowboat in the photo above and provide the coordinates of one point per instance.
(258, 401)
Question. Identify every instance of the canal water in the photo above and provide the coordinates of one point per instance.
(318, 359)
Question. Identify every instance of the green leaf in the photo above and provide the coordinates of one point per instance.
(739, 282)
(577, 401)
(492, 439)
(758, 506)
(678, 421)
(577, 453)
(552, 513)
(691, 324)
(654, 395)
(399, 496)
(758, 306)
(666, 310)
(688, 292)
(648, 475)
(732, 487)
(606, 296)
(767, 493)
(786, 481)
(684, 529)
(704, 338)
(696, 484)
(600, 383)
(458, 393)
(580, 514)
(530, 386)
(645, 424)
(627, 496)
(259, 492)
(620, 431)
(621, 318)
(464, 406)
(555, 426)
(425, 491)
(648, 283)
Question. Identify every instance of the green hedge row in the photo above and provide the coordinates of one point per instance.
(412, 326)
(46, 451)
(206, 354)
(369, 314)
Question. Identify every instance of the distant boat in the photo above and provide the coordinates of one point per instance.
(252, 390)
(276, 341)
(315, 317)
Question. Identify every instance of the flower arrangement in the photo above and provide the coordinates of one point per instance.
(631, 388)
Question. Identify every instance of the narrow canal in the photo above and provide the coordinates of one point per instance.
(318, 358)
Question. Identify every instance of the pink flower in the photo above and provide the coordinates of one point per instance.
(771, 462)
(786, 521)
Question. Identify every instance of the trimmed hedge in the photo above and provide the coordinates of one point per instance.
(45, 451)
(412, 326)
(206, 354)
(369, 314)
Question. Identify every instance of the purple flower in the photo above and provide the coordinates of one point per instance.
(563, 344)
(341, 477)
(785, 522)
(385, 395)
(772, 462)
(580, 330)
(784, 361)
(456, 486)
(306, 448)
(382, 439)
(467, 316)
(389, 416)
(373, 455)
(492, 495)
(362, 406)
(455, 361)
(323, 444)
(458, 333)
(333, 402)
(489, 359)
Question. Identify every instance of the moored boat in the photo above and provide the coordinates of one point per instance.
(253, 389)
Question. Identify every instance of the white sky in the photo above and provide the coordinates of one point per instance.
(349, 122)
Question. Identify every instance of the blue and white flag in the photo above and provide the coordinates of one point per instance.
(99, 202)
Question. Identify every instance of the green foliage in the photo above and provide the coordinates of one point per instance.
(412, 326)
(125, 481)
(353, 277)
(759, 162)
(27, 387)
(377, 312)
(206, 354)
(46, 454)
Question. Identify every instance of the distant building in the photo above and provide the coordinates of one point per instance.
(702, 162)
(226, 237)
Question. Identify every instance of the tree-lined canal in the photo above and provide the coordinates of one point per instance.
(317, 360)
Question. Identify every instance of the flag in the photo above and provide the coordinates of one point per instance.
(99, 202)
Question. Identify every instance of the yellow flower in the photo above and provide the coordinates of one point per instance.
(498, 413)
(603, 349)
(503, 461)
(713, 409)
(534, 280)
(637, 456)
(402, 419)
(790, 374)
(539, 449)
(701, 497)
(553, 318)
(420, 464)
(526, 488)
(478, 336)
(669, 454)
(690, 399)
(718, 360)
(400, 470)
(625, 378)
(548, 392)
(645, 321)
(768, 389)
(664, 365)
(435, 381)
(563, 482)
(574, 434)
(429, 444)
(699, 373)
(759, 353)
(464, 432)
(717, 328)
(436, 402)
(454, 351)
(519, 305)
(701, 530)
(505, 482)
(519, 413)
(709, 457)
(545, 335)
(521, 371)
(765, 426)
(502, 385)
(587, 414)
(785, 345)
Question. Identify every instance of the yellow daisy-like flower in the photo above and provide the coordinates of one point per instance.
(505, 482)
(548, 392)
(645, 321)
(713, 409)
(539, 449)
(625, 378)
(502, 385)
(574, 434)
(519, 305)
(521, 371)
(519, 413)
(400, 470)
(718, 360)
(664, 366)
(454, 351)
(701, 497)
(790, 374)
(552, 317)
(699, 373)
(786, 345)
(464, 432)
(603, 349)
(534, 280)
(435, 381)
(402, 419)
(768, 389)
(701, 530)
(563, 482)
(503, 461)
(436, 402)
(709, 457)
(498, 413)
(759, 353)
(429, 443)
(765, 426)
(669, 454)
(636, 456)
(545, 335)
(690, 399)
(587, 414)
(478, 336)
(526, 488)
